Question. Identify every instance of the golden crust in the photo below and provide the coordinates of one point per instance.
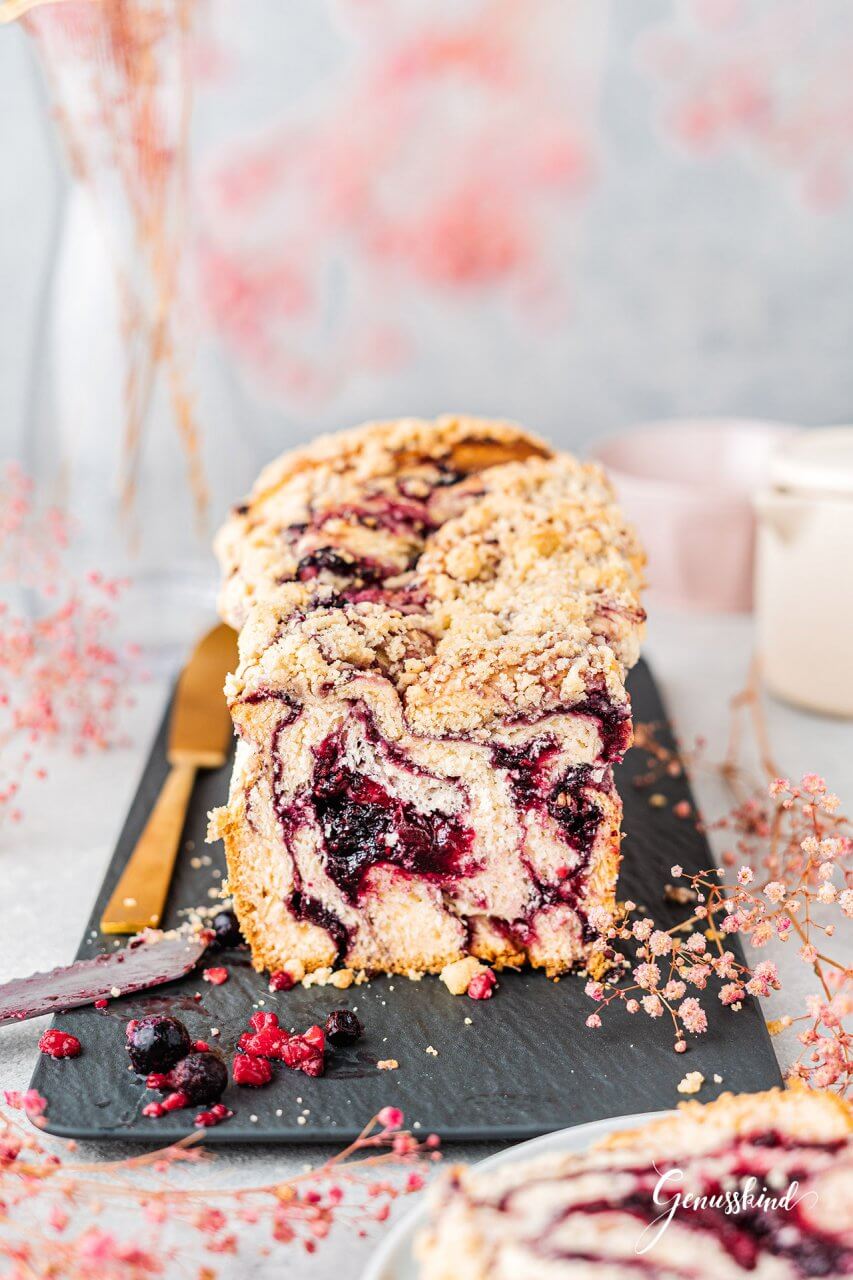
(324, 482)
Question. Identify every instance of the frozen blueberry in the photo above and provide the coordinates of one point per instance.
(226, 929)
(156, 1043)
(201, 1076)
(343, 1027)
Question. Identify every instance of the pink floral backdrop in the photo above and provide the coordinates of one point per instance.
(570, 212)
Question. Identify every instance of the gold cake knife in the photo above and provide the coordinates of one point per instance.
(199, 736)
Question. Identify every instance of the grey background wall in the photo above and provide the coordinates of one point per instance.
(700, 283)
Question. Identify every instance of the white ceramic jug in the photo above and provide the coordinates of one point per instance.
(804, 571)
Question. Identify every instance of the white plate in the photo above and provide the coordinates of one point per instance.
(393, 1260)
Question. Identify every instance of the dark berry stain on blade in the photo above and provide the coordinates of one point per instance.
(134, 968)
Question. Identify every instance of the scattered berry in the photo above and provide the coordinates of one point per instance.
(343, 1027)
(252, 1072)
(300, 1053)
(226, 929)
(101, 1004)
(305, 1052)
(281, 981)
(201, 1076)
(216, 1115)
(156, 1043)
(201, 1046)
(175, 1101)
(482, 985)
(216, 976)
(59, 1044)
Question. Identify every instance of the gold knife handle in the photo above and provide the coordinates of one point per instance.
(139, 897)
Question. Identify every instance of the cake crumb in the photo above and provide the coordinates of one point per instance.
(301, 1120)
(457, 975)
(718, 1079)
(432, 1051)
(388, 1064)
(691, 1083)
(469, 1022)
(327, 977)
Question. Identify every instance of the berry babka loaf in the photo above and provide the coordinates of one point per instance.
(437, 620)
(754, 1184)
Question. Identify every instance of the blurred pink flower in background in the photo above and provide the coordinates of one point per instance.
(741, 75)
(435, 164)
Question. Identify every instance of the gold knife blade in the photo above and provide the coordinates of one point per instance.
(199, 734)
(200, 730)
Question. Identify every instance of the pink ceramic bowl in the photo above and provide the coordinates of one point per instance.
(687, 486)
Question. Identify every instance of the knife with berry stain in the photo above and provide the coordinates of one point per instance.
(200, 734)
(115, 973)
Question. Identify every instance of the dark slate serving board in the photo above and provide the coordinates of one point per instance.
(525, 1065)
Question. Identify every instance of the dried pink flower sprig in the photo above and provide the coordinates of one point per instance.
(41, 1189)
(794, 877)
(60, 677)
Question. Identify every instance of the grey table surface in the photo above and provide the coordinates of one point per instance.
(52, 862)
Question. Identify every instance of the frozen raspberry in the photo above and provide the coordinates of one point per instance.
(268, 1037)
(300, 1053)
(156, 1043)
(315, 1036)
(281, 981)
(305, 1052)
(250, 1071)
(226, 929)
(175, 1101)
(343, 1027)
(482, 985)
(216, 1115)
(216, 976)
(201, 1076)
(59, 1044)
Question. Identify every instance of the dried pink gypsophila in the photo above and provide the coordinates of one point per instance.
(59, 676)
(791, 845)
(39, 1190)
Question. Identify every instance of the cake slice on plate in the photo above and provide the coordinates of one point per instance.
(437, 621)
(610, 1212)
